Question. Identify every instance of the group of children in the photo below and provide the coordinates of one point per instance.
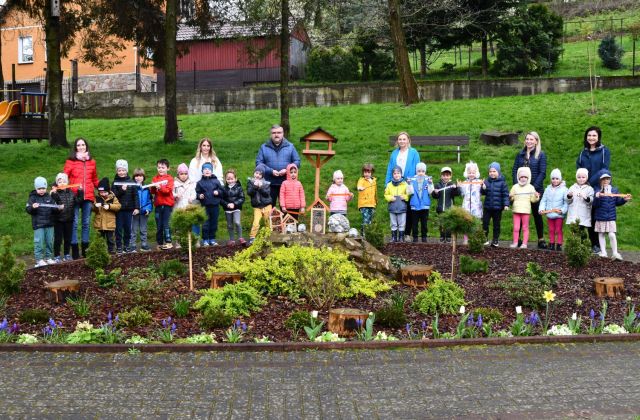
(122, 207)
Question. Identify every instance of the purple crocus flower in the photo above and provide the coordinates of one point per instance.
(479, 322)
(408, 328)
(592, 314)
(15, 328)
(4, 325)
(244, 327)
(424, 325)
(238, 322)
(470, 320)
(164, 323)
(359, 323)
(109, 317)
(52, 323)
(173, 327)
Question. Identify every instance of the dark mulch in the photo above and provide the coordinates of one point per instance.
(572, 284)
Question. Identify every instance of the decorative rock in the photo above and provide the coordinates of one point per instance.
(302, 227)
(338, 223)
(353, 233)
(291, 229)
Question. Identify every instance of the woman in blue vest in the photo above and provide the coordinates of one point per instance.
(406, 157)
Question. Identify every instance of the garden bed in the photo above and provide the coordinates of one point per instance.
(572, 284)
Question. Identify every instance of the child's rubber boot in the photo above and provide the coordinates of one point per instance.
(75, 251)
(401, 236)
(85, 245)
(394, 236)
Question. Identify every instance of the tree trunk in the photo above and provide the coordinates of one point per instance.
(485, 58)
(408, 86)
(423, 60)
(170, 103)
(285, 42)
(57, 131)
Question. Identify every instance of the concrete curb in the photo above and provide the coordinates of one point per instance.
(304, 346)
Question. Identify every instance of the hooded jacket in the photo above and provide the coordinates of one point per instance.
(605, 207)
(207, 186)
(106, 218)
(292, 192)
(82, 172)
(339, 197)
(260, 195)
(42, 217)
(128, 198)
(367, 192)
(276, 157)
(163, 193)
(554, 198)
(145, 200)
(496, 192)
(471, 198)
(409, 171)
(594, 161)
(187, 191)
(420, 198)
(444, 192)
(523, 195)
(579, 208)
(68, 200)
(538, 168)
(234, 195)
(396, 195)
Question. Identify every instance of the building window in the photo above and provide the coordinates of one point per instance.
(25, 49)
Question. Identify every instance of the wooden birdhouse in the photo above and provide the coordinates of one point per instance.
(289, 224)
(318, 217)
(275, 220)
(318, 157)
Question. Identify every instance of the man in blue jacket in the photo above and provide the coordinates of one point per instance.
(275, 154)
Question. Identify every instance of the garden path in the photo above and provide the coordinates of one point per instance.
(519, 381)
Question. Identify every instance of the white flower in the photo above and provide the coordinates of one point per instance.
(614, 329)
(518, 309)
(382, 336)
(84, 326)
(329, 336)
(628, 298)
(574, 316)
(314, 314)
(371, 314)
(462, 309)
(27, 339)
(561, 329)
(136, 339)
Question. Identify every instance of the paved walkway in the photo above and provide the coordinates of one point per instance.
(526, 381)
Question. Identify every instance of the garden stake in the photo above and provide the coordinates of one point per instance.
(190, 264)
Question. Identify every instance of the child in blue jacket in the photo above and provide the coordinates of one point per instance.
(554, 204)
(420, 201)
(140, 218)
(605, 205)
(497, 200)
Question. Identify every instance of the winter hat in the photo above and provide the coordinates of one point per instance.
(421, 167)
(496, 166)
(446, 169)
(471, 166)
(121, 163)
(556, 174)
(397, 169)
(183, 168)
(207, 165)
(261, 169)
(583, 171)
(62, 178)
(605, 175)
(338, 174)
(103, 185)
(40, 182)
(524, 171)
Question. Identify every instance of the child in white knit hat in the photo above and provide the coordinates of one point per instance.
(124, 188)
(554, 205)
(338, 194)
(522, 194)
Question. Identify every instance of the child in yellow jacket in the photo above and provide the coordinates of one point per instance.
(106, 206)
(367, 194)
(396, 195)
(522, 195)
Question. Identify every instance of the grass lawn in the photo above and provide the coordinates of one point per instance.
(362, 131)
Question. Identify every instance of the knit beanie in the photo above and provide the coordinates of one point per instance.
(183, 168)
(524, 171)
(62, 178)
(121, 163)
(207, 165)
(40, 182)
(421, 166)
(338, 174)
(260, 168)
(583, 171)
(103, 185)
(397, 169)
(556, 174)
(496, 166)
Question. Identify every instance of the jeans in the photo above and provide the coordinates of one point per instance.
(139, 225)
(43, 243)
(163, 232)
(123, 228)
(62, 231)
(86, 220)
(233, 224)
(487, 216)
(210, 227)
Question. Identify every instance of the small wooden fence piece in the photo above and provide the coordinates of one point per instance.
(415, 275)
(612, 287)
(219, 280)
(61, 289)
(343, 321)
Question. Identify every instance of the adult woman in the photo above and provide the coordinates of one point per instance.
(533, 157)
(406, 157)
(81, 169)
(593, 157)
(204, 154)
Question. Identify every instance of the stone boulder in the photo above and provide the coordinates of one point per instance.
(338, 223)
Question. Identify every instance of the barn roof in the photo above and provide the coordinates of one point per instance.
(226, 31)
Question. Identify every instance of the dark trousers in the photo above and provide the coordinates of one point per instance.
(489, 215)
(123, 228)
(419, 217)
(409, 222)
(108, 235)
(210, 227)
(62, 231)
(163, 232)
(275, 194)
(537, 220)
(593, 235)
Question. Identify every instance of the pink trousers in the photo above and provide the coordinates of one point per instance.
(521, 218)
(555, 229)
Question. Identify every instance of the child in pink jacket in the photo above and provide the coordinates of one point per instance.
(338, 194)
(292, 193)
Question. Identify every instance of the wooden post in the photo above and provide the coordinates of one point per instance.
(190, 264)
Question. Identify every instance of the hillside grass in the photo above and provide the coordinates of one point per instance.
(362, 131)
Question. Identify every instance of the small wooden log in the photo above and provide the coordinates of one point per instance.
(416, 275)
(612, 287)
(218, 280)
(342, 321)
(61, 289)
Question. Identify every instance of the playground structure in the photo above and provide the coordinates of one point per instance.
(24, 119)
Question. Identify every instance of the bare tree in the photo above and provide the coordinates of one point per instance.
(408, 85)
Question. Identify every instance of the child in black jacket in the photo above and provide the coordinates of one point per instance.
(42, 209)
(63, 227)
(209, 192)
(260, 192)
(126, 192)
(444, 191)
(232, 200)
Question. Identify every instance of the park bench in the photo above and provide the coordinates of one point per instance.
(461, 144)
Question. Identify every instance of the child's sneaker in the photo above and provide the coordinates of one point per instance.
(495, 244)
(145, 248)
(487, 243)
(442, 239)
(68, 257)
(205, 243)
(119, 251)
(242, 241)
(168, 245)
(513, 245)
(231, 243)
(57, 260)
(251, 241)
(603, 254)
(41, 263)
(523, 246)
(616, 256)
(51, 261)
(213, 242)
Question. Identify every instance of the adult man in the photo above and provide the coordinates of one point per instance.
(276, 153)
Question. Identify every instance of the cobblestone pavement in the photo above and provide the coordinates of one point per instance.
(520, 381)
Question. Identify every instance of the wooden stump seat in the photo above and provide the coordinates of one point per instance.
(612, 287)
(415, 275)
(219, 280)
(342, 321)
(61, 289)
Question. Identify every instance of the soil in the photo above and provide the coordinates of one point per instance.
(572, 284)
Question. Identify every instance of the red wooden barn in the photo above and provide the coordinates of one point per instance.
(237, 55)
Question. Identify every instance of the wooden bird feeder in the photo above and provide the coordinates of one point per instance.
(343, 321)
(612, 287)
(415, 275)
(289, 224)
(275, 220)
(219, 280)
(319, 217)
(61, 289)
(318, 157)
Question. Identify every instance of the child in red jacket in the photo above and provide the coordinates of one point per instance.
(163, 203)
(292, 193)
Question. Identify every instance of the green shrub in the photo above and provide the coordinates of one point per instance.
(135, 317)
(172, 268)
(392, 313)
(97, 254)
(577, 246)
(143, 283)
(471, 265)
(477, 238)
(181, 307)
(214, 318)
(34, 316)
(81, 306)
(440, 297)
(331, 65)
(383, 66)
(235, 300)
(374, 233)
(11, 271)
(109, 279)
(298, 320)
(610, 52)
(528, 290)
(448, 67)
(489, 315)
